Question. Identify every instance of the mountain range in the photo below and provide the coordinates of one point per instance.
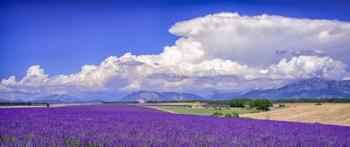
(160, 96)
(314, 88)
(310, 88)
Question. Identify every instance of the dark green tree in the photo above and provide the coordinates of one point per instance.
(262, 104)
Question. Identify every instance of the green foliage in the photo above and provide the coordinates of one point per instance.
(260, 104)
(216, 113)
(220, 102)
(318, 103)
(6, 138)
(241, 102)
(228, 115)
(72, 142)
(235, 114)
(93, 144)
(202, 111)
(281, 105)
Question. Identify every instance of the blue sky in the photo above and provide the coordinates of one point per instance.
(88, 48)
(61, 36)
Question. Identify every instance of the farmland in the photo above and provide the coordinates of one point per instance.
(325, 113)
(130, 125)
(203, 111)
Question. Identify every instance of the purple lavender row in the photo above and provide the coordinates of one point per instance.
(125, 125)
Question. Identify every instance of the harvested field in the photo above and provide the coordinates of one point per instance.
(335, 114)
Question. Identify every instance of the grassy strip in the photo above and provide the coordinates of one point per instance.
(203, 111)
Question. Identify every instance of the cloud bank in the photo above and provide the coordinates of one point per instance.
(219, 52)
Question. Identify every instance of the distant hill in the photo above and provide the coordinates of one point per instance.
(225, 96)
(57, 98)
(310, 88)
(4, 100)
(160, 96)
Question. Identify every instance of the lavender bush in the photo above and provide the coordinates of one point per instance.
(126, 125)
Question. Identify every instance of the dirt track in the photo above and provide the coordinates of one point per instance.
(336, 114)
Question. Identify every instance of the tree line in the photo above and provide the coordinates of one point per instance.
(259, 104)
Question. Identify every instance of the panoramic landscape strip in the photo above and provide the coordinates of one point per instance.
(174, 73)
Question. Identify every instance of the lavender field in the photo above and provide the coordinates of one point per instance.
(126, 125)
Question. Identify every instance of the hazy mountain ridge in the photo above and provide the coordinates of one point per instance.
(309, 88)
(226, 95)
(62, 98)
(160, 96)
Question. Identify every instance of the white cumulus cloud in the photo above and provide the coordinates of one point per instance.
(254, 40)
(308, 67)
(219, 52)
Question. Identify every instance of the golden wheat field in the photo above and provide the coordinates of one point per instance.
(335, 114)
